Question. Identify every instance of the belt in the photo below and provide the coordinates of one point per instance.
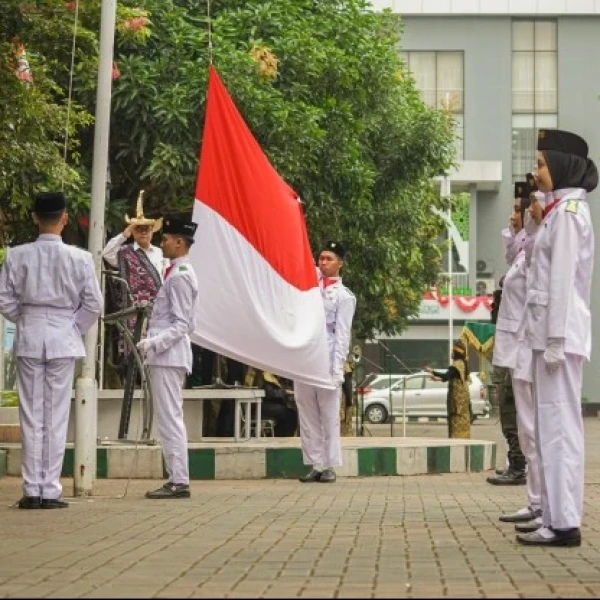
(32, 309)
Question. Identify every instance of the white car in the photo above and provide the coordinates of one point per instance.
(423, 397)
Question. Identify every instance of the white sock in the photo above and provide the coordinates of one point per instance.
(318, 468)
(546, 533)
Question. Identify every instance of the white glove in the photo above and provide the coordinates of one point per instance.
(554, 356)
(144, 346)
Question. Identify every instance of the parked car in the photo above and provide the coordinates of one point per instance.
(423, 397)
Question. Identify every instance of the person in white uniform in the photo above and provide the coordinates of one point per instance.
(558, 330)
(168, 353)
(50, 291)
(511, 352)
(514, 471)
(319, 408)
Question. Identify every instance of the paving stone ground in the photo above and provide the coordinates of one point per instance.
(412, 537)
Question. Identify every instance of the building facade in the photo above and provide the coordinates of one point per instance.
(505, 68)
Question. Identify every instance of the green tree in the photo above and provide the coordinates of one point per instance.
(319, 82)
(33, 111)
(323, 89)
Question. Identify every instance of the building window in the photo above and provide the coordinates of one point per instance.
(439, 77)
(534, 88)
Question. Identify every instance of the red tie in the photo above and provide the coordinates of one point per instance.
(168, 270)
(327, 281)
(550, 206)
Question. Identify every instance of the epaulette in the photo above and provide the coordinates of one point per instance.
(182, 268)
(572, 207)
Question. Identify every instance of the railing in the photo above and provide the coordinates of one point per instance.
(460, 284)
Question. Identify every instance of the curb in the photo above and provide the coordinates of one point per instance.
(264, 462)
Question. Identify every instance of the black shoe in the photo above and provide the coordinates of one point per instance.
(570, 538)
(311, 477)
(170, 490)
(328, 476)
(54, 503)
(520, 516)
(508, 478)
(528, 527)
(30, 502)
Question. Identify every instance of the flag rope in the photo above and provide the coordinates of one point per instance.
(210, 46)
(70, 95)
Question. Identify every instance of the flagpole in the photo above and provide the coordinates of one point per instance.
(86, 388)
(445, 193)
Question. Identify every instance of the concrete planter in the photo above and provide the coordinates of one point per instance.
(10, 430)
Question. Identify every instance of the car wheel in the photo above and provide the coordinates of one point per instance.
(376, 414)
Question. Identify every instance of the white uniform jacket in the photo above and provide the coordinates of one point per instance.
(49, 289)
(154, 254)
(512, 244)
(174, 318)
(558, 292)
(510, 350)
(340, 304)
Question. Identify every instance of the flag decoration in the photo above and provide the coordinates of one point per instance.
(259, 297)
(480, 336)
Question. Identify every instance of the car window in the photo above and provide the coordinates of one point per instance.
(382, 384)
(413, 383)
(432, 385)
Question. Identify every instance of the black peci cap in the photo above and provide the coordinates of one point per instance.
(178, 226)
(522, 189)
(49, 202)
(335, 247)
(562, 141)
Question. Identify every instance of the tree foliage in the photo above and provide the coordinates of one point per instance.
(33, 114)
(322, 87)
(42, 135)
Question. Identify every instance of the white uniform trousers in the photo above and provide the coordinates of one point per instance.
(167, 384)
(523, 392)
(319, 418)
(559, 438)
(45, 388)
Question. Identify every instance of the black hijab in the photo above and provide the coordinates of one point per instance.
(571, 171)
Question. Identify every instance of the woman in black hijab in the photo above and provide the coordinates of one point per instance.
(558, 330)
(563, 163)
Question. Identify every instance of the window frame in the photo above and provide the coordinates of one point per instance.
(522, 111)
(459, 140)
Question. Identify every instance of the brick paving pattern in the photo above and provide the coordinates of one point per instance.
(413, 537)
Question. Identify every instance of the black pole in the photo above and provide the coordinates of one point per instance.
(130, 379)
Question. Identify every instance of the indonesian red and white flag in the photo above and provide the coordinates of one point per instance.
(259, 297)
